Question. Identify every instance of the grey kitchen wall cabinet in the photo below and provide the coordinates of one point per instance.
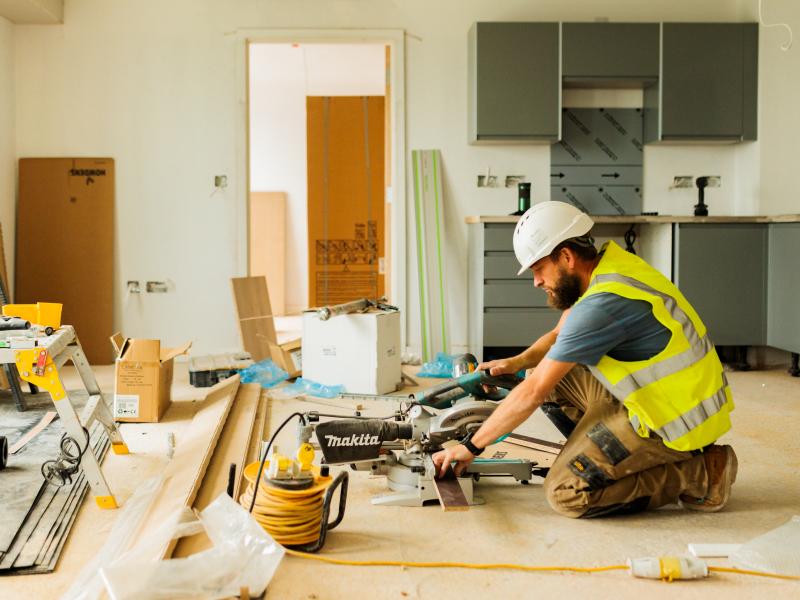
(708, 84)
(722, 271)
(783, 321)
(514, 82)
(506, 312)
(612, 54)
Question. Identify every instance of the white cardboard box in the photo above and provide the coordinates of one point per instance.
(359, 351)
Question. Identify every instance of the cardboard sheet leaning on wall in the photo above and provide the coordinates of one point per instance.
(345, 198)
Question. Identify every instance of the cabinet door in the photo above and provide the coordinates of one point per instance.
(783, 325)
(514, 82)
(703, 81)
(517, 327)
(722, 271)
(620, 51)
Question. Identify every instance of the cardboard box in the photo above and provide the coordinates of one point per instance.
(359, 351)
(142, 378)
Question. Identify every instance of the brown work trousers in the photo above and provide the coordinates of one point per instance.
(605, 467)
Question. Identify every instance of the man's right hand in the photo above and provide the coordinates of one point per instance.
(502, 366)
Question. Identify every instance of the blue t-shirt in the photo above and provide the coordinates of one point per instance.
(606, 323)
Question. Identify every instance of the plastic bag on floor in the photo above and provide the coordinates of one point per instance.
(243, 555)
(266, 373)
(88, 585)
(441, 366)
(777, 551)
(306, 387)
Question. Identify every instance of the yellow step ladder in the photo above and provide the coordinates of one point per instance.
(39, 365)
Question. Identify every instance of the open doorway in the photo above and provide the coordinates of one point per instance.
(320, 163)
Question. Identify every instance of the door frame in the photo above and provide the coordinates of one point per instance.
(396, 194)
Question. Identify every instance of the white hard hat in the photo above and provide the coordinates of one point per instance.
(543, 227)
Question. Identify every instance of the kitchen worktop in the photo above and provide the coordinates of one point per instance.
(624, 219)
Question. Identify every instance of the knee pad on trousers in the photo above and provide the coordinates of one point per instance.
(564, 498)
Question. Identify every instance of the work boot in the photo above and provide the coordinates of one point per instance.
(721, 465)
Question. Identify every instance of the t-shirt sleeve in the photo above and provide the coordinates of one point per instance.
(588, 333)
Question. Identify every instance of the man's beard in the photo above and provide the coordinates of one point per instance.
(566, 291)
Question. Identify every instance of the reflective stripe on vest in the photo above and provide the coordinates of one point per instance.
(698, 347)
(695, 417)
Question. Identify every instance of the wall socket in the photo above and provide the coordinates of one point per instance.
(220, 181)
(682, 181)
(688, 181)
(487, 180)
(514, 180)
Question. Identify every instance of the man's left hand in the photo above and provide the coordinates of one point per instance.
(457, 453)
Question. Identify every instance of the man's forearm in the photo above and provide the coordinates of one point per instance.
(522, 401)
(533, 355)
(513, 411)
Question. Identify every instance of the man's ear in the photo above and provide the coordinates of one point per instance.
(569, 256)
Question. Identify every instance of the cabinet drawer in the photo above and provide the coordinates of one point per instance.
(517, 326)
(513, 293)
(503, 266)
(498, 236)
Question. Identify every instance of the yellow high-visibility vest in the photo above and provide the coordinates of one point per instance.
(681, 393)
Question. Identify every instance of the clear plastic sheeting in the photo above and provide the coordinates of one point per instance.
(777, 551)
(88, 585)
(265, 373)
(306, 387)
(243, 555)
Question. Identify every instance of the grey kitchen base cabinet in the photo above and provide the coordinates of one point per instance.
(742, 279)
(506, 312)
(783, 290)
(722, 271)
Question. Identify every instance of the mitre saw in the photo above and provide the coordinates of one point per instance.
(401, 446)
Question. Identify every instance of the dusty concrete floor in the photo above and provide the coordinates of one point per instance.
(515, 524)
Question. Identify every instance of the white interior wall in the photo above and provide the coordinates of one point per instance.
(7, 150)
(779, 117)
(281, 76)
(152, 84)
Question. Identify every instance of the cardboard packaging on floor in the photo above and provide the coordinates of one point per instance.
(142, 378)
(359, 351)
(288, 356)
(257, 326)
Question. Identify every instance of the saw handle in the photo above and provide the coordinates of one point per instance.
(501, 384)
